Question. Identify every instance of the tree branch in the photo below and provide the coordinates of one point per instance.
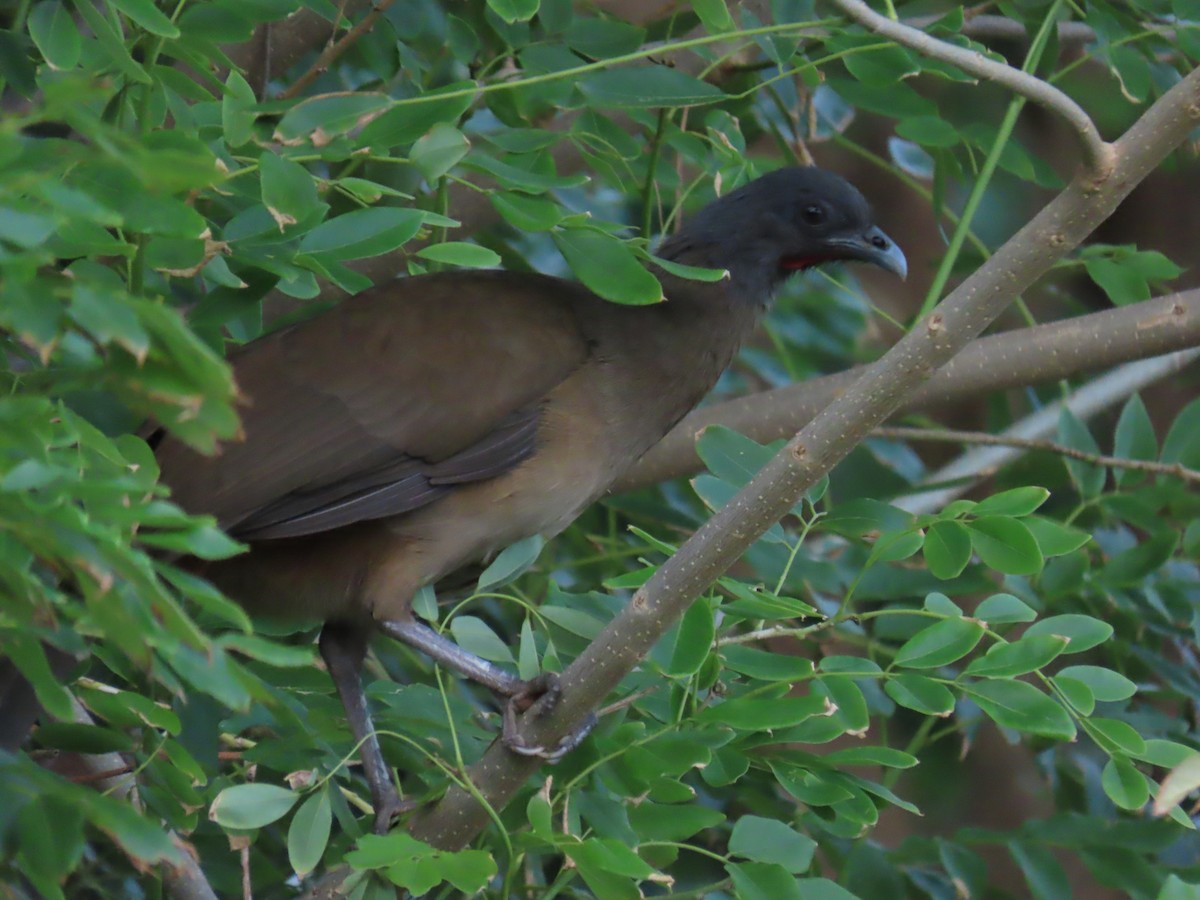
(998, 450)
(1170, 364)
(335, 49)
(1017, 358)
(623, 644)
(1097, 154)
(277, 46)
(1004, 28)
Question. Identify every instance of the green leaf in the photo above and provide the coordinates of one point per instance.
(511, 562)
(514, 10)
(112, 43)
(610, 855)
(289, 191)
(762, 665)
(246, 806)
(308, 834)
(714, 15)
(823, 889)
(525, 212)
(928, 131)
(407, 120)
(272, 653)
(607, 266)
(939, 603)
(872, 756)
(238, 110)
(320, 118)
(473, 635)
(1115, 737)
(939, 644)
(646, 87)
(882, 67)
(947, 549)
(771, 841)
(1084, 632)
(1125, 786)
(1182, 444)
(731, 456)
(755, 602)
(81, 738)
(1022, 707)
(1130, 567)
(1175, 888)
(1105, 684)
(23, 228)
(1029, 654)
(458, 253)
(658, 822)
(1001, 609)
(53, 31)
(896, 546)
(1043, 874)
(690, 273)
(755, 714)
(763, 881)
(1134, 439)
(1016, 502)
(1053, 538)
(603, 38)
(693, 640)
(538, 811)
(146, 14)
(1077, 694)
(439, 150)
(863, 516)
(1006, 545)
(1087, 477)
(363, 233)
(1123, 284)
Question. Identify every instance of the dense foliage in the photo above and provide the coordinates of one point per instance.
(168, 188)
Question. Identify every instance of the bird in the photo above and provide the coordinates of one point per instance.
(413, 431)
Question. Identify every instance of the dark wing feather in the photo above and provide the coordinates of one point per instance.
(398, 487)
(378, 406)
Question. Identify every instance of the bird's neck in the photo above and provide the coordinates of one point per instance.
(754, 274)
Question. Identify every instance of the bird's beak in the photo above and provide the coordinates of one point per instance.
(873, 246)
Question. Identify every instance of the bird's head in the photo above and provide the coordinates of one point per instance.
(786, 221)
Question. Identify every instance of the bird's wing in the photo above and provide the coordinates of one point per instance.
(385, 402)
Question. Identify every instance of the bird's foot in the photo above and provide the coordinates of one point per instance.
(544, 691)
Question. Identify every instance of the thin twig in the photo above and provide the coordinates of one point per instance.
(950, 436)
(1098, 155)
(956, 478)
(333, 51)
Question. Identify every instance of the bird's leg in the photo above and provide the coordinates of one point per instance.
(343, 648)
(521, 694)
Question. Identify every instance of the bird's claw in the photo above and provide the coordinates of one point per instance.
(544, 692)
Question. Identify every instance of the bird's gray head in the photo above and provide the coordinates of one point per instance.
(786, 221)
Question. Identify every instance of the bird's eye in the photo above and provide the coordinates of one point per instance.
(813, 214)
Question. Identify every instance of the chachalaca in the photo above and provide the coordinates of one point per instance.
(420, 427)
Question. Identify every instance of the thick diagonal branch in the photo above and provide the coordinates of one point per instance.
(1058, 228)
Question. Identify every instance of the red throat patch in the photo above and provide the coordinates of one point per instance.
(799, 263)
